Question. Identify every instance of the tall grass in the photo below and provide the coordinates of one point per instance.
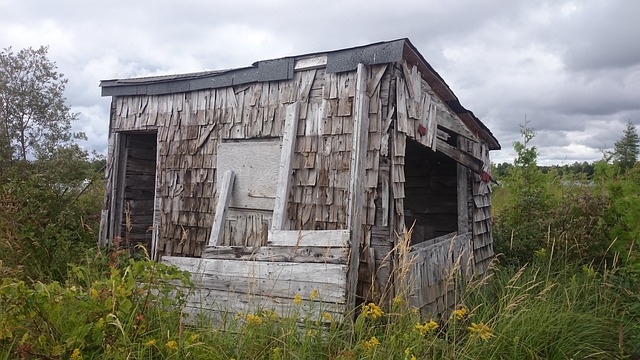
(544, 310)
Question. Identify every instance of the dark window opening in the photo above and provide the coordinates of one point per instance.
(430, 193)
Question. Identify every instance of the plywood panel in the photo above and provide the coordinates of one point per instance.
(255, 167)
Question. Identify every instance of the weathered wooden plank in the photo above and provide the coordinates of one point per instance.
(356, 184)
(280, 279)
(219, 306)
(453, 123)
(311, 63)
(377, 71)
(306, 82)
(300, 254)
(224, 196)
(402, 117)
(460, 157)
(279, 221)
(326, 238)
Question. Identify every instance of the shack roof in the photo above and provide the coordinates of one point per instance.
(283, 69)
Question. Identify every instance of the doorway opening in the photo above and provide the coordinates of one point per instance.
(137, 187)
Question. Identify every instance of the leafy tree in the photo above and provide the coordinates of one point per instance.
(49, 203)
(521, 228)
(626, 150)
(34, 120)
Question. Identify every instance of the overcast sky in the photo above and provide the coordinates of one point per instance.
(572, 68)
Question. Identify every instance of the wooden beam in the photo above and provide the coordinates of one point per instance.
(356, 184)
(298, 254)
(279, 220)
(449, 122)
(461, 157)
(326, 238)
(224, 195)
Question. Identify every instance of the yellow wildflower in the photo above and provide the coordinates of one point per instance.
(408, 355)
(254, 319)
(481, 330)
(277, 353)
(371, 343)
(372, 311)
(398, 300)
(194, 337)
(297, 300)
(426, 328)
(270, 315)
(326, 316)
(171, 344)
(460, 313)
(314, 294)
(151, 342)
(588, 270)
(76, 355)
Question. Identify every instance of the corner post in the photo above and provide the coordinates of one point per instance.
(356, 187)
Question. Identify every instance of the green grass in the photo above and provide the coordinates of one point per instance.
(540, 311)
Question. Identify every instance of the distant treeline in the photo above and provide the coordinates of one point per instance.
(502, 170)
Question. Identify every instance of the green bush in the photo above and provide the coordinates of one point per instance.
(95, 314)
(49, 215)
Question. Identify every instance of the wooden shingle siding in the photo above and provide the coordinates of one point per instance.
(482, 220)
(191, 126)
(333, 156)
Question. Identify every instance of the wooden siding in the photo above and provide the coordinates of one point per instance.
(436, 265)
(226, 285)
(482, 219)
(192, 125)
(232, 279)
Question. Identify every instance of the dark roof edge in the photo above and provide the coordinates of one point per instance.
(437, 83)
(341, 60)
(265, 70)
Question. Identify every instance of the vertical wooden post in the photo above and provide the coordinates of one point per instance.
(462, 191)
(356, 184)
(117, 179)
(224, 195)
(463, 194)
(156, 205)
(279, 220)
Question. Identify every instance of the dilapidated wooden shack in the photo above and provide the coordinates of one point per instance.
(300, 174)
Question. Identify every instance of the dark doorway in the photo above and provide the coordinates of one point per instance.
(137, 189)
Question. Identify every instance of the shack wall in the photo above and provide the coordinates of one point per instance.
(191, 126)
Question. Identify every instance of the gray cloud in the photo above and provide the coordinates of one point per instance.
(571, 67)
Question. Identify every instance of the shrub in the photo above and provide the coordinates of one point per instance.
(112, 315)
